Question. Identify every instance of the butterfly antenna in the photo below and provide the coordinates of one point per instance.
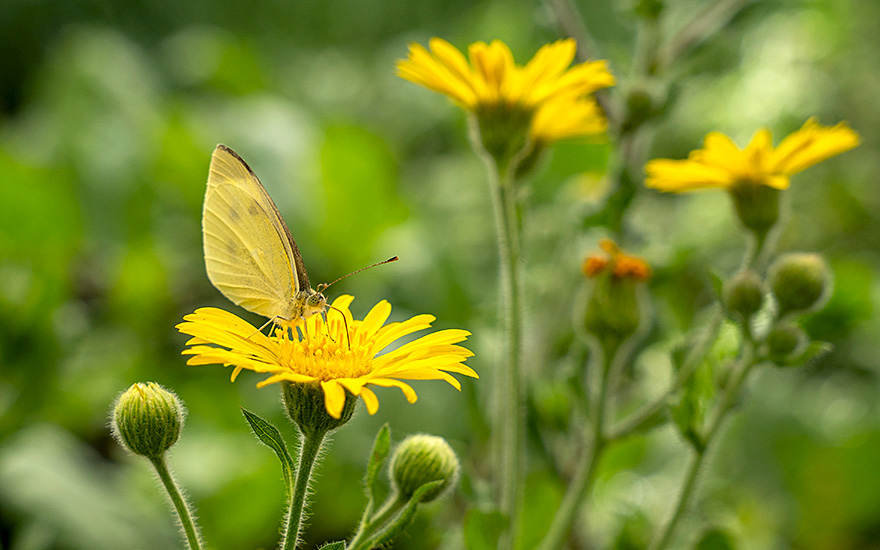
(323, 286)
(344, 320)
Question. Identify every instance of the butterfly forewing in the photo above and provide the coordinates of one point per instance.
(249, 253)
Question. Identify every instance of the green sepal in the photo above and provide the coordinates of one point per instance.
(812, 352)
(381, 446)
(338, 545)
(404, 517)
(271, 437)
(483, 528)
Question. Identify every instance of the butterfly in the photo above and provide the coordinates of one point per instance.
(250, 255)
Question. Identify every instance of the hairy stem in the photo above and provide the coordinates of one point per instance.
(193, 540)
(311, 445)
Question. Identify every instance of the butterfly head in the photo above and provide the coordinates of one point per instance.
(316, 302)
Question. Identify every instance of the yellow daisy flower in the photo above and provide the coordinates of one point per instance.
(546, 93)
(324, 354)
(721, 164)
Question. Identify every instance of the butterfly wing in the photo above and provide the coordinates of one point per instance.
(249, 253)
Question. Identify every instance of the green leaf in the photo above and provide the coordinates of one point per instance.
(811, 353)
(381, 445)
(271, 437)
(483, 528)
(717, 285)
(405, 516)
(338, 545)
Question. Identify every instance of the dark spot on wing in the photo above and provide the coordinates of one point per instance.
(234, 214)
(253, 209)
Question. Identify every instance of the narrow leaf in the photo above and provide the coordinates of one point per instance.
(271, 437)
(717, 285)
(338, 545)
(811, 353)
(377, 458)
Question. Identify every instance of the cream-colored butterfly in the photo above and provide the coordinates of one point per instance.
(250, 255)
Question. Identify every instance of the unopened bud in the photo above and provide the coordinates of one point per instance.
(744, 294)
(421, 459)
(147, 419)
(783, 340)
(799, 282)
(306, 408)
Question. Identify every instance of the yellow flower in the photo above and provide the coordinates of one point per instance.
(546, 93)
(324, 354)
(721, 164)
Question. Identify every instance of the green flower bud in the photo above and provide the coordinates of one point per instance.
(799, 282)
(757, 206)
(305, 407)
(421, 459)
(783, 340)
(147, 419)
(744, 294)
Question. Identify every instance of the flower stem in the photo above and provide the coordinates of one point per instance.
(585, 473)
(509, 418)
(370, 526)
(311, 445)
(193, 540)
(728, 399)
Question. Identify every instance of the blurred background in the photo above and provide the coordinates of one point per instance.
(109, 112)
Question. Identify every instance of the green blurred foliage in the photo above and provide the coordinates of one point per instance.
(108, 115)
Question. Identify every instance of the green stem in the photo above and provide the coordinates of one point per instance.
(507, 387)
(189, 527)
(585, 472)
(311, 445)
(369, 528)
(728, 399)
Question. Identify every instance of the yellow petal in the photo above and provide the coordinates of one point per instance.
(334, 397)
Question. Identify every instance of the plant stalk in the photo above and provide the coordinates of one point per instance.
(728, 399)
(311, 445)
(190, 529)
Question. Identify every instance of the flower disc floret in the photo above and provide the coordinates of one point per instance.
(341, 355)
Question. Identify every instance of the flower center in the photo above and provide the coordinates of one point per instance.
(324, 351)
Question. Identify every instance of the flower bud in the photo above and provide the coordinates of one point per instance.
(421, 459)
(799, 282)
(305, 407)
(744, 294)
(783, 340)
(147, 419)
(756, 205)
(612, 310)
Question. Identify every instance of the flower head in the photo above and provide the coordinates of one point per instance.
(548, 95)
(337, 355)
(721, 164)
(615, 261)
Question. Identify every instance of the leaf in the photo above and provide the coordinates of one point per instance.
(811, 353)
(338, 545)
(271, 437)
(717, 285)
(381, 445)
(483, 528)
